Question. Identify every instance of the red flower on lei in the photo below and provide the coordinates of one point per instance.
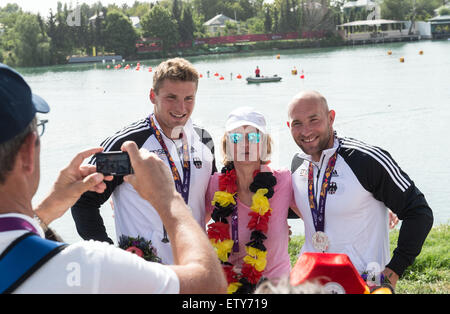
(231, 275)
(227, 182)
(252, 275)
(258, 222)
(219, 231)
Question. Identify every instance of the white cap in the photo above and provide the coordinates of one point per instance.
(245, 116)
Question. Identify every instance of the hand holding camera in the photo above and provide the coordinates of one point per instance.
(113, 163)
(72, 181)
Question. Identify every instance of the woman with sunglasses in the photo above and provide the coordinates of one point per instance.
(248, 203)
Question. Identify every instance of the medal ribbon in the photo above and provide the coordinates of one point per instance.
(318, 212)
(14, 223)
(234, 228)
(181, 187)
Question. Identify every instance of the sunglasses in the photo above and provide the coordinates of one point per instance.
(252, 137)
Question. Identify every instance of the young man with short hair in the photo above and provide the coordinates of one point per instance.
(169, 132)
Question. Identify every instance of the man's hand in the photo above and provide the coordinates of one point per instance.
(393, 220)
(152, 179)
(71, 183)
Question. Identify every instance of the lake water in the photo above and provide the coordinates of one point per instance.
(402, 107)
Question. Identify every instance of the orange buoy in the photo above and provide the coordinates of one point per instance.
(216, 74)
(389, 53)
(221, 78)
(239, 76)
(421, 52)
(402, 59)
(201, 75)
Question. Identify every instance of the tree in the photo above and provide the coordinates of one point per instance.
(62, 35)
(255, 25)
(31, 48)
(176, 10)
(187, 26)
(120, 36)
(267, 20)
(159, 23)
(396, 9)
(208, 8)
(316, 17)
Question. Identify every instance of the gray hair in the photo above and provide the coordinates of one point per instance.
(10, 148)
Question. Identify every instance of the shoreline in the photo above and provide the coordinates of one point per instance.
(234, 49)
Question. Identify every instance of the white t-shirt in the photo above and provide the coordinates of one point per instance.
(93, 267)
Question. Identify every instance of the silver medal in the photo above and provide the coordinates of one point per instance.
(320, 241)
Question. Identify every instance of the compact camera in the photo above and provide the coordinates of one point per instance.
(113, 163)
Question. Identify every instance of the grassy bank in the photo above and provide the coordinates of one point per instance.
(430, 273)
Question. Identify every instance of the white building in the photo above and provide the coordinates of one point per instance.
(217, 23)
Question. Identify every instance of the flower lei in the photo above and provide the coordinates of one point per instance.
(140, 247)
(219, 232)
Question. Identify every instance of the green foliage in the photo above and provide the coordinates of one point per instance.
(402, 10)
(444, 11)
(187, 25)
(255, 26)
(31, 40)
(119, 34)
(159, 23)
(430, 272)
(29, 46)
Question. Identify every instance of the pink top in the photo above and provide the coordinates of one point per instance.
(278, 262)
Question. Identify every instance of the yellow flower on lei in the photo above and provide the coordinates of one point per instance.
(232, 287)
(223, 198)
(256, 258)
(222, 248)
(260, 203)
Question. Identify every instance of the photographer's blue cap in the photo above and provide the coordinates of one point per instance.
(18, 105)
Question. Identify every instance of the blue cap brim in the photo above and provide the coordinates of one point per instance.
(40, 104)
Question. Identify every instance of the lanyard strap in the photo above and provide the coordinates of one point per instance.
(181, 187)
(15, 223)
(318, 210)
(235, 227)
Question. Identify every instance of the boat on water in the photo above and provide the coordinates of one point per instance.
(263, 79)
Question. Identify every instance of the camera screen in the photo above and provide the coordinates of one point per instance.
(113, 163)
